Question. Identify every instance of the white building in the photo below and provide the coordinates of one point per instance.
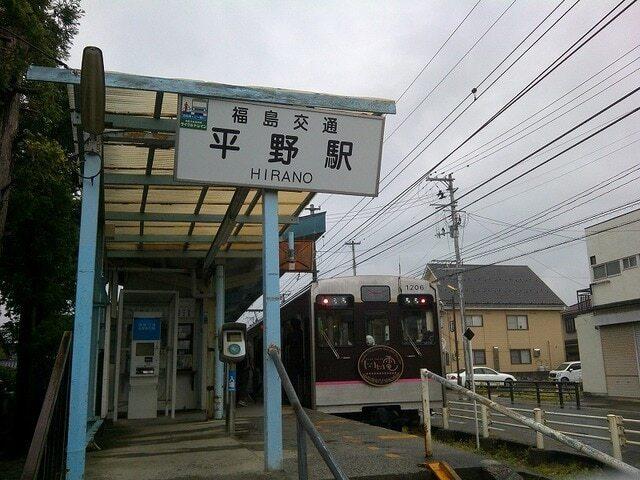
(609, 333)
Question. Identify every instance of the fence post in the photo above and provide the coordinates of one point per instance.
(484, 411)
(445, 418)
(576, 386)
(511, 392)
(537, 393)
(426, 414)
(560, 394)
(615, 430)
(538, 415)
(302, 452)
(489, 390)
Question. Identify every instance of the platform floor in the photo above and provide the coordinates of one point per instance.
(190, 447)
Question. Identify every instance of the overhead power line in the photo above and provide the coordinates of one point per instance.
(446, 75)
(609, 125)
(438, 51)
(568, 53)
(462, 102)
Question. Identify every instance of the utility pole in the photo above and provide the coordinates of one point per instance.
(314, 268)
(455, 338)
(353, 255)
(454, 232)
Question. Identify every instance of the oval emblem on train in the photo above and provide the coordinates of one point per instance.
(380, 365)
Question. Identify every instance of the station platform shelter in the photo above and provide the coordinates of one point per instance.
(162, 263)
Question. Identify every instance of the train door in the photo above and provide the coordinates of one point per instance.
(296, 346)
(419, 330)
(335, 338)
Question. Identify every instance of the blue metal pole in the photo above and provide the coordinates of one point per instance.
(218, 388)
(99, 302)
(83, 322)
(271, 308)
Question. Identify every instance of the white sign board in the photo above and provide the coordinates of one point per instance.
(225, 142)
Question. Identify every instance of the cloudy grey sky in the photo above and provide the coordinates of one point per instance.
(376, 48)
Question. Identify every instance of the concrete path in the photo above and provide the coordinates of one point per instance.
(193, 448)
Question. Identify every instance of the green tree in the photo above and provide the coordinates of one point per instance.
(31, 32)
(38, 249)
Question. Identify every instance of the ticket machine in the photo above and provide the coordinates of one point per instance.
(145, 365)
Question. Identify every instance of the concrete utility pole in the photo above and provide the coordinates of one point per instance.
(314, 268)
(353, 255)
(454, 232)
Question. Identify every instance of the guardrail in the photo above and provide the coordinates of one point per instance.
(538, 423)
(611, 428)
(563, 392)
(304, 425)
(47, 453)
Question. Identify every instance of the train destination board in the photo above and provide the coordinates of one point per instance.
(224, 142)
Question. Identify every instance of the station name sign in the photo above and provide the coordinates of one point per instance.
(222, 142)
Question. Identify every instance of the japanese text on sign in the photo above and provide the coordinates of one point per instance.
(277, 147)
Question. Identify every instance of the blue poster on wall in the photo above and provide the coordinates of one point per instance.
(146, 328)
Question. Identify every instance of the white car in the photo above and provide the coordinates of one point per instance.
(484, 374)
(567, 372)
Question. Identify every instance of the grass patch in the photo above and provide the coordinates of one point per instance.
(556, 465)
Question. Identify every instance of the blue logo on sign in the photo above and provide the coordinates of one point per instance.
(146, 329)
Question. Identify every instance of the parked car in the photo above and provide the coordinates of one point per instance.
(484, 374)
(567, 372)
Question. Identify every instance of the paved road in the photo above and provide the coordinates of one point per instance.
(584, 424)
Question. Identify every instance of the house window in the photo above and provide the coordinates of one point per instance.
(599, 271)
(473, 320)
(570, 325)
(613, 267)
(520, 357)
(592, 260)
(517, 322)
(629, 262)
(479, 357)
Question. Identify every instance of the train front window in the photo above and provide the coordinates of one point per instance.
(418, 327)
(336, 328)
(377, 328)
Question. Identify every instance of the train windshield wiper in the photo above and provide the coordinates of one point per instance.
(326, 339)
(413, 344)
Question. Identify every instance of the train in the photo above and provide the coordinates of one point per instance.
(355, 345)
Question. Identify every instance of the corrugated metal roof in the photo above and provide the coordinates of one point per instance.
(149, 219)
(135, 152)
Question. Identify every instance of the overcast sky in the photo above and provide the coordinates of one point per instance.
(369, 48)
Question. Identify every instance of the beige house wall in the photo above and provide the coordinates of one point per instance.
(545, 333)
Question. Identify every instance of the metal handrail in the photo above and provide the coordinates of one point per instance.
(521, 419)
(47, 452)
(304, 425)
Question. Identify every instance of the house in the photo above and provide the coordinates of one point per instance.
(515, 316)
(610, 329)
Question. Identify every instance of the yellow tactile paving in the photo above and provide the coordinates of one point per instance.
(397, 436)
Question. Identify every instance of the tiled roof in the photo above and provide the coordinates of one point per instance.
(495, 285)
